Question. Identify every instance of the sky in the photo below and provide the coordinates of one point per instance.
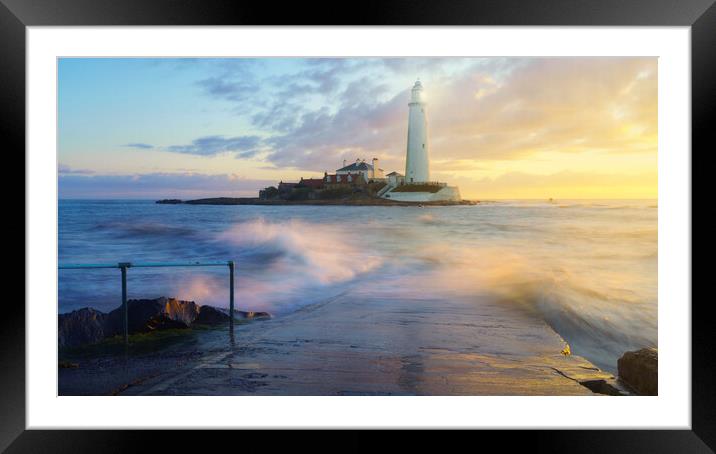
(499, 128)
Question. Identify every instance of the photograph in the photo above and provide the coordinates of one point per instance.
(357, 226)
(396, 216)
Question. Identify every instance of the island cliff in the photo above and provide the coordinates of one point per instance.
(354, 201)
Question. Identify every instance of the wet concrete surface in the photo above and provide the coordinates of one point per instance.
(358, 345)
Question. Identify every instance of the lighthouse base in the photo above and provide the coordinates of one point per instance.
(447, 193)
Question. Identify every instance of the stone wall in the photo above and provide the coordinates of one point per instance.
(446, 193)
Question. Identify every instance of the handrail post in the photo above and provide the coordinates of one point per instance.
(123, 267)
(231, 296)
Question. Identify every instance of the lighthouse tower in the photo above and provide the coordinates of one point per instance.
(417, 162)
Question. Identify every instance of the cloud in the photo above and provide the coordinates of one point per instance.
(235, 80)
(323, 111)
(213, 145)
(361, 127)
(139, 145)
(549, 104)
(563, 184)
(159, 185)
(485, 109)
(63, 169)
(247, 154)
(232, 90)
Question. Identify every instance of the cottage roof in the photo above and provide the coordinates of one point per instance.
(311, 182)
(394, 173)
(356, 166)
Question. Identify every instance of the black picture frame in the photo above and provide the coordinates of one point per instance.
(700, 15)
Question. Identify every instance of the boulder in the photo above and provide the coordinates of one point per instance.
(87, 326)
(251, 315)
(639, 370)
(602, 386)
(209, 315)
(152, 314)
(83, 326)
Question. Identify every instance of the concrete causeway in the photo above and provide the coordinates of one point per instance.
(358, 345)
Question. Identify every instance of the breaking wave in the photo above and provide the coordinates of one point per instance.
(320, 253)
(600, 312)
(282, 265)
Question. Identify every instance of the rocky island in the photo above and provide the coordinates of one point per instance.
(353, 201)
(349, 189)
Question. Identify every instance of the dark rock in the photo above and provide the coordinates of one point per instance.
(354, 199)
(601, 386)
(226, 201)
(87, 326)
(83, 326)
(209, 315)
(169, 201)
(250, 315)
(150, 315)
(639, 370)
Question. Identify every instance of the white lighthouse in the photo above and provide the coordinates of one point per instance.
(417, 161)
(416, 185)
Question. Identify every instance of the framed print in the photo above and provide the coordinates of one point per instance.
(408, 217)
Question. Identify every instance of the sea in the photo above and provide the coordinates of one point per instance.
(587, 268)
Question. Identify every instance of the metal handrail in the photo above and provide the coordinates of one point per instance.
(123, 266)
